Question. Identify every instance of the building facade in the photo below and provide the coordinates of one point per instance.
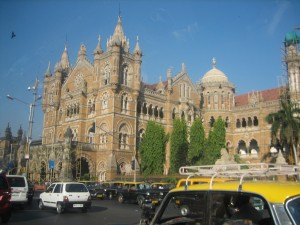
(95, 113)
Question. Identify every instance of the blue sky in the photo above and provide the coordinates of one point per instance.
(246, 37)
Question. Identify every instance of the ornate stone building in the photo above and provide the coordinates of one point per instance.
(95, 113)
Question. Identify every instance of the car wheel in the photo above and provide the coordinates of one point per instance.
(110, 196)
(184, 210)
(5, 218)
(120, 198)
(41, 205)
(59, 208)
(140, 201)
(84, 210)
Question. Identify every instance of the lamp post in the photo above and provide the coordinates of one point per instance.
(32, 88)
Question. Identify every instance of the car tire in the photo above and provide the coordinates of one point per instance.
(5, 218)
(84, 210)
(184, 210)
(120, 198)
(41, 205)
(110, 196)
(140, 200)
(59, 208)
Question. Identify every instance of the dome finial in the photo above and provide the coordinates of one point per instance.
(214, 62)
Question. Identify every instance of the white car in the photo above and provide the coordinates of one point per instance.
(19, 189)
(66, 195)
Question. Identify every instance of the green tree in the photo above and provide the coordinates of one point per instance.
(215, 142)
(197, 142)
(179, 145)
(286, 127)
(153, 149)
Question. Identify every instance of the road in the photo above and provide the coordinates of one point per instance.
(102, 212)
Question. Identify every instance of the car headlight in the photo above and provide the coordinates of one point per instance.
(148, 193)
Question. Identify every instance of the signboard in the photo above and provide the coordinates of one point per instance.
(51, 164)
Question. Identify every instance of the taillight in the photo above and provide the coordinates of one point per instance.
(65, 199)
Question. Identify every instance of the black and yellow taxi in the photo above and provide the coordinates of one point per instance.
(256, 194)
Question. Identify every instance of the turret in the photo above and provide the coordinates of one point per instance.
(81, 53)
(8, 134)
(98, 50)
(20, 134)
(137, 67)
(169, 77)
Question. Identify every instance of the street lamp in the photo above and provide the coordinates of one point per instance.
(33, 88)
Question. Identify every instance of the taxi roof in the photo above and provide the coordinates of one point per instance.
(272, 191)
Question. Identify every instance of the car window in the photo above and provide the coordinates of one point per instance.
(76, 188)
(229, 207)
(293, 207)
(3, 183)
(16, 181)
(57, 188)
(50, 188)
(188, 207)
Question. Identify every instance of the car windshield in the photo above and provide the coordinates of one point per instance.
(16, 181)
(76, 188)
(293, 207)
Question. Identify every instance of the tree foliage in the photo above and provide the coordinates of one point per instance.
(286, 127)
(215, 142)
(152, 149)
(179, 145)
(197, 142)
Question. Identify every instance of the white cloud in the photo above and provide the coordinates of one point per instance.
(189, 30)
(277, 16)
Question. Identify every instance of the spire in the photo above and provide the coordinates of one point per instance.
(20, 133)
(118, 35)
(137, 49)
(98, 49)
(48, 72)
(118, 38)
(8, 134)
(82, 52)
(65, 64)
(214, 62)
(183, 68)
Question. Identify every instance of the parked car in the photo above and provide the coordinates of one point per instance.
(19, 189)
(133, 192)
(253, 199)
(154, 194)
(5, 196)
(109, 189)
(66, 195)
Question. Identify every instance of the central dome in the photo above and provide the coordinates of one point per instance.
(214, 75)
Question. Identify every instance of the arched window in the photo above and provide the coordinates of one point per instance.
(244, 124)
(173, 113)
(123, 137)
(238, 123)
(106, 75)
(249, 122)
(212, 121)
(242, 149)
(255, 121)
(105, 101)
(124, 102)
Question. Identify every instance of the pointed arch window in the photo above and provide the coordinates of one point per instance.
(105, 101)
(106, 75)
(123, 137)
(124, 75)
(124, 102)
(103, 135)
(255, 121)
(91, 134)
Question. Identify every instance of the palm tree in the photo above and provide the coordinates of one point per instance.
(286, 125)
